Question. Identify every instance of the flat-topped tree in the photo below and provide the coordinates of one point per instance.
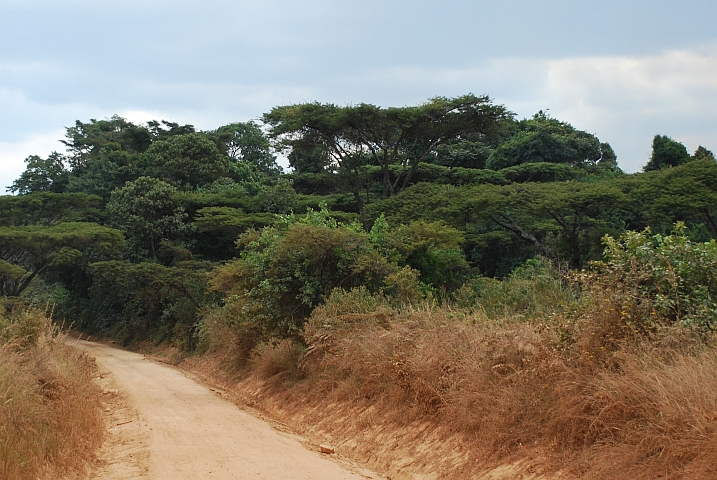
(46, 208)
(27, 251)
(355, 136)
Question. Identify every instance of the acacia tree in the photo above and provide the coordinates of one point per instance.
(387, 136)
(27, 251)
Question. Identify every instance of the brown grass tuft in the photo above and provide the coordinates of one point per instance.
(49, 407)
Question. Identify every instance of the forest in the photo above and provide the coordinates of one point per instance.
(159, 232)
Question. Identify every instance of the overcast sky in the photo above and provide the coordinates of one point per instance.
(623, 70)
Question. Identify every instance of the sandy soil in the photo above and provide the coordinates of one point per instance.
(164, 425)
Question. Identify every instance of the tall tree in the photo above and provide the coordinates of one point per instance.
(542, 139)
(42, 175)
(186, 161)
(85, 140)
(147, 212)
(666, 153)
(27, 251)
(387, 136)
(245, 142)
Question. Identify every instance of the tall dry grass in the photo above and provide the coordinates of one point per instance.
(50, 417)
(594, 397)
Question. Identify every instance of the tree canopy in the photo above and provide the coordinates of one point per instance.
(355, 136)
(143, 230)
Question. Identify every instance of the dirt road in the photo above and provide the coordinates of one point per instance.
(163, 425)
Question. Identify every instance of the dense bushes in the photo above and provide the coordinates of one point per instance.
(287, 270)
(657, 277)
(593, 373)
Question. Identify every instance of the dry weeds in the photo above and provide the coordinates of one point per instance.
(49, 407)
(450, 393)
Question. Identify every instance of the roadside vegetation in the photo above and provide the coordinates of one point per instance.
(493, 289)
(49, 406)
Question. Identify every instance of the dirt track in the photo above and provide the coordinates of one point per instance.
(163, 425)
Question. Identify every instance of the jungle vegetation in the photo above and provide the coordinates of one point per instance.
(137, 230)
(446, 263)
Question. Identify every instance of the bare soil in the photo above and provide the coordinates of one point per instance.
(163, 425)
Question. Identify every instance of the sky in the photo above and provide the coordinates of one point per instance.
(622, 70)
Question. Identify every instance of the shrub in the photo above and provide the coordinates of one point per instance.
(654, 278)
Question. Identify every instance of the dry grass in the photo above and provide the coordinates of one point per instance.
(463, 393)
(50, 419)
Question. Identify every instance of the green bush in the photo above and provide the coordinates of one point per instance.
(660, 277)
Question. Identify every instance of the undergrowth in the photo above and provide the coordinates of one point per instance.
(600, 374)
(49, 407)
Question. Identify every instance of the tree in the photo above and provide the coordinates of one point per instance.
(666, 153)
(354, 135)
(703, 154)
(42, 175)
(27, 251)
(109, 169)
(146, 211)
(687, 193)
(286, 270)
(47, 208)
(245, 142)
(186, 161)
(85, 140)
(464, 153)
(545, 139)
(280, 198)
(141, 297)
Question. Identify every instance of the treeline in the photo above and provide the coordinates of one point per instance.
(143, 230)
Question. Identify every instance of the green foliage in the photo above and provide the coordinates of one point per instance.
(218, 228)
(431, 248)
(354, 136)
(86, 140)
(534, 289)
(186, 161)
(35, 248)
(448, 189)
(703, 154)
(280, 198)
(246, 143)
(661, 277)
(544, 139)
(285, 271)
(666, 152)
(463, 153)
(42, 175)
(134, 300)
(146, 211)
(47, 208)
(109, 169)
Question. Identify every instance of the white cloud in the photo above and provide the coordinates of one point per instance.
(628, 100)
